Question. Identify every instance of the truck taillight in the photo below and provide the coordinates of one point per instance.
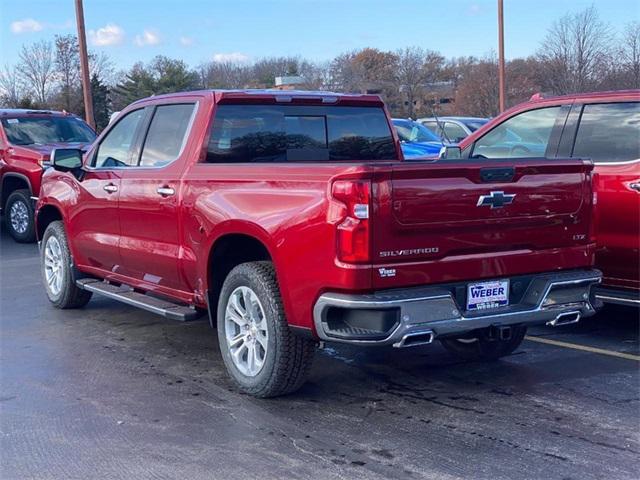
(353, 228)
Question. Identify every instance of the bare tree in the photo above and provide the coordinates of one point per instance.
(630, 55)
(11, 87)
(576, 52)
(67, 62)
(224, 75)
(477, 92)
(37, 68)
(415, 69)
(101, 66)
(366, 70)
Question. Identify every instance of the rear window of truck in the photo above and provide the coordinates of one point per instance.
(292, 133)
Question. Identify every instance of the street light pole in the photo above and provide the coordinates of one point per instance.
(501, 54)
(84, 66)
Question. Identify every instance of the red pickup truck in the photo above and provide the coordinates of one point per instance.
(27, 138)
(604, 127)
(292, 218)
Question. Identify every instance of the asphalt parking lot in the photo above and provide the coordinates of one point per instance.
(114, 392)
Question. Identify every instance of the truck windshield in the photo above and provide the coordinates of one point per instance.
(38, 130)
(292, 133)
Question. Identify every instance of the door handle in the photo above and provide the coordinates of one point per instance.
(110, 188)
(635, 186)
(166, 191)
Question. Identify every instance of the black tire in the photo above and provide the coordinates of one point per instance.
(20, 202)
(482, 348)
(288, 357)
(69, 295)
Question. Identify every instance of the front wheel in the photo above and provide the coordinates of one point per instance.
(261, 353)
(19, 217)
(480, 347)
(57, 274)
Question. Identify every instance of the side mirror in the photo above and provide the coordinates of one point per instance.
(450, 152)
(66, 159)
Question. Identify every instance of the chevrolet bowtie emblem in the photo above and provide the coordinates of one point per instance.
(495, 200)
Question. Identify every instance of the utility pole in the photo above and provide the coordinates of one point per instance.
(501, 54)
(84, 66)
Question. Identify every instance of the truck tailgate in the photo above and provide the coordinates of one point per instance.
(450, 221)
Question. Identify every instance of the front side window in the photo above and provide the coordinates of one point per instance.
(41, 130)
(609, 132)
(522, 136)
(115, 149)
(291, 133)
(166, 135)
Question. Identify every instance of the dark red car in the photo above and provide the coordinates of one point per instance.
(27, 138)
(292, 217)
(603, 127)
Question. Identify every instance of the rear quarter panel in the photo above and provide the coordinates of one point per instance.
(286, 207)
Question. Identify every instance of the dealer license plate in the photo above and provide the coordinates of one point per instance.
(488, 295)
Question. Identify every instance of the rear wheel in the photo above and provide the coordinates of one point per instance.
(261, 353)
(19, 216)
(57, 274)
(481, 347)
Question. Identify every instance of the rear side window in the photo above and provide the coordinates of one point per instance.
(291, 133)
(522, 136)
(609, 132)
(166, 135)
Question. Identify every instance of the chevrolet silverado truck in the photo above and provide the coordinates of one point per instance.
(603, 127)
(293, 219)
(27, 138)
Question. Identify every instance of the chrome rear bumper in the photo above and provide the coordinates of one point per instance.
(418, 315)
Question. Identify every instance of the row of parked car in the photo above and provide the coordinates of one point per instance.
(295, 217)
(425, 137)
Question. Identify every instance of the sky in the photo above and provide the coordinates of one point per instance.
(244, 30)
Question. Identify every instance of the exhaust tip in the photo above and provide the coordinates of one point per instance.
(565, 319)
(414, 339)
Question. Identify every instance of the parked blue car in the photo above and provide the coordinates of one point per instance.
(416, 140)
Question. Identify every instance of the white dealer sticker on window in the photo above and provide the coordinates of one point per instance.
(484, 295)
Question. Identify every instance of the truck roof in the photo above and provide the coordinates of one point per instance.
(280, 96)
(540, 97)
(30, 111)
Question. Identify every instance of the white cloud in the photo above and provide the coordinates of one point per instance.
(26, 26)
(474, 9)
(233, 57)
(110, 34)
(186, 41)
(148, 37)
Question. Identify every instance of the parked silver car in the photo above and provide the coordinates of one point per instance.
(453, 129)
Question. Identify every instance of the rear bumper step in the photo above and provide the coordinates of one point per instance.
(620, 296)
(415, 316)
(124, 294)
